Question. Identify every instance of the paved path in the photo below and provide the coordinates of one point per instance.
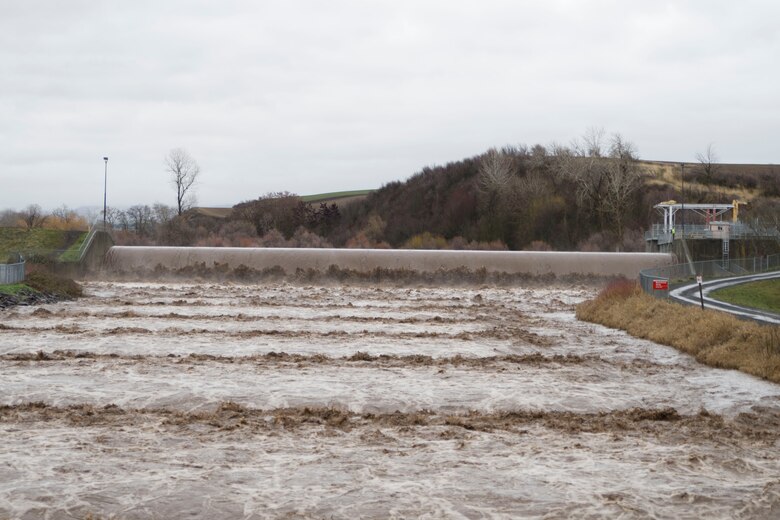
(690, 294)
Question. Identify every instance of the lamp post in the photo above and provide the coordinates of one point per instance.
(682, 181)
(105, 185)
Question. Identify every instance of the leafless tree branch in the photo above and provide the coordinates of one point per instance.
(184, 173)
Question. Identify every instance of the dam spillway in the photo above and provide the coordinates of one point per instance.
(129, 259)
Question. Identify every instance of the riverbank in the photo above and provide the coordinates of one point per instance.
(711, 337)
(39, 287)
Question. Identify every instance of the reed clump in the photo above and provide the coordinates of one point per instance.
(715, 338)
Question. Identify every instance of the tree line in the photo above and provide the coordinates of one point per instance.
(525, 197)
(592, 194)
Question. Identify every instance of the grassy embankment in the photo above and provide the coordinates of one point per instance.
(714, 338)
(759, 295)
(40, 242)
(74, 251)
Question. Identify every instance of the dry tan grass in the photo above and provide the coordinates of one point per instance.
(714, 338)
(668, 174)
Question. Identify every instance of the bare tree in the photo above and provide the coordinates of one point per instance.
(141, 219)
(623, 180)
(592, 143)
(114, 218)
(123, 221)
(184, 173)
(163, 213)
(709, 163)
(33, 216)
(538, 159)
(584, 163)
(765, 213)
(606, 176)
(496, 181)
(65, 214)
(496, 170)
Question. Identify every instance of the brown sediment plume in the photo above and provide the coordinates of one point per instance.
(391, 277)
(498, 332)
(241, 317)
(761, 424)
(357, 359)
(126, 330)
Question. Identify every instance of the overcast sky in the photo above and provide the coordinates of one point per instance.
(315, 96)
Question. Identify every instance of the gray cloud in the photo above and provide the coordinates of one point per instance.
(317, 96)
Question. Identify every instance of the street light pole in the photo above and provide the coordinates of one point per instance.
(682, 181)
(105, 186)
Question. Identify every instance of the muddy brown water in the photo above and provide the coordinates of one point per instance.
(147, 400)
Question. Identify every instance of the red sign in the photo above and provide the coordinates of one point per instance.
(660, 285)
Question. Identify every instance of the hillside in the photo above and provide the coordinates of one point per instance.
(37, 241)
(746, 180)
(547, 202)
(342, 198)
(516, 198)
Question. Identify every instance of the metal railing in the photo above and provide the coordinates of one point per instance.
(710, 269)
(732, 231)
(99, 225)
(12, 273)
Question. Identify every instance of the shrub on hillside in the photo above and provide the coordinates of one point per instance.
(426, 241)
(361, 241)
(305, 238)
(596, 242)
(273, 238)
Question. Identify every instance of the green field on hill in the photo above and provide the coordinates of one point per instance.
(763, 295)
(321, 197)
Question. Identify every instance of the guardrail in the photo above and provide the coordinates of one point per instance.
(657, 281)
(12, 273)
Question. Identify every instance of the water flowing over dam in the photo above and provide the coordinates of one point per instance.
(536, 263)
(201, 400)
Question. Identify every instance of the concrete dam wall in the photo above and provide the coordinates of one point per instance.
(537, 263)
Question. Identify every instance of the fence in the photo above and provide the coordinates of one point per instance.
(666, 276)
(12, 273)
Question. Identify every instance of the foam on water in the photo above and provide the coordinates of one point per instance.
(154, 467)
